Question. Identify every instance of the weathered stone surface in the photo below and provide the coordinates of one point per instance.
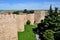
(8, 27)
(20, 22)
(39, 16)
(22, 19)
(10, 24)
(30, 17)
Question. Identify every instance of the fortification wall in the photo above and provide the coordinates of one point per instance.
(22, 19)
(30, 17)
(39, 16)
(20, 22)
(8, 27)
(10, 24)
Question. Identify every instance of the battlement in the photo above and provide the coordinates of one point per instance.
(10, 24)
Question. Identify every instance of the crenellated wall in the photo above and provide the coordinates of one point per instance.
(22, 19)
(38, 16)
(8, 27)
(10, 24)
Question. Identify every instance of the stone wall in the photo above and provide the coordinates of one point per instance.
(10, 24)
(30, 17)
(39, 16)
(8, 27)
(20, 22)
(22, 19)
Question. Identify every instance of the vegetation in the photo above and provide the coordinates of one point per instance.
(25, 11)
(31, 11)
(16, 12)
(51, 23)
(27, 34)
(28, 12)
(28, 22)
(48, 35)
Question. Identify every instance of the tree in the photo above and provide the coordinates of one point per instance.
(16, 12)
(25, 11)
(48, 35)
(51, 19)
(50, 10)
(51, 22)
(31, 11)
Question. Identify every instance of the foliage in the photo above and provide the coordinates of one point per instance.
(51, 21)
(28, 12)
(28, 22)
(25, 11)
(48, 35)
(16, 12)
(31, 11)
(50, 10)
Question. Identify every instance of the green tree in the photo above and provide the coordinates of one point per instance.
(16, 12)
(50, 10)
(25, 11)
(51, 22)
(48, 35)
(52, 19)
(28, 12)
(31, 11)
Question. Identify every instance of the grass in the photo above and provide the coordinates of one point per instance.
(27, 34)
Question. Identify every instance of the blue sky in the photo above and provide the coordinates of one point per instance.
(28, 4)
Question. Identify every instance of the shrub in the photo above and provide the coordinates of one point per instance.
(28, 22)
(31, 11)
(16, 12)
(25, 11)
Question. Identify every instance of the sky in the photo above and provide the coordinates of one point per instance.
(28, 4)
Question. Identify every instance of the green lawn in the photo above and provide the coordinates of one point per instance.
(27, 34)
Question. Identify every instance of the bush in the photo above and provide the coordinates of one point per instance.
(28, 22)
(16, 12)
(28, 12)
(25, 11)
(32, 11)
(48, 35)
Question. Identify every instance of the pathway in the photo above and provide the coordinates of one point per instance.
(37, 35)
